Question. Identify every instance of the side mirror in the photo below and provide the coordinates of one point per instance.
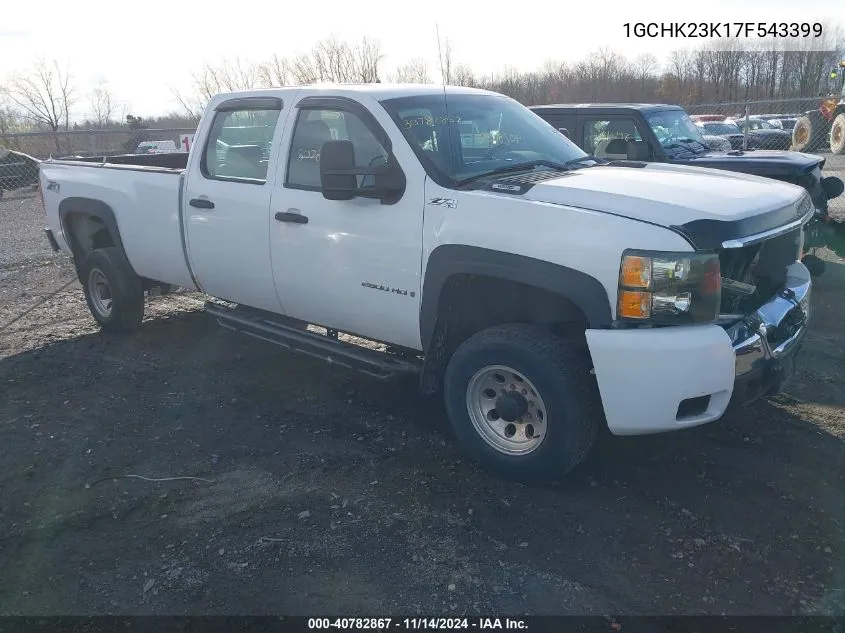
(339, 175)
(564, 131)
(337, 170)
(639, 150)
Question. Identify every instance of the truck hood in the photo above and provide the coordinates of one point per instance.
(769, 163)
(729, 205)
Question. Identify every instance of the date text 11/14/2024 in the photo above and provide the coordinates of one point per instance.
(415, 624)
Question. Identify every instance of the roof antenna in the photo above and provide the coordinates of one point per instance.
(440, 58)
(445, 100)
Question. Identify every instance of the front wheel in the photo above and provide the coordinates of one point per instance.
(815, 265)
(113, 292)
(522, 402)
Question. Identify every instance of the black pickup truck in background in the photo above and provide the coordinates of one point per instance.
(666, 134)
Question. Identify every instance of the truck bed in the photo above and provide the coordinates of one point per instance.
(143, 195)
(174, 160)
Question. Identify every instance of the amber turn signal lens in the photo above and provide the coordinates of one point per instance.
(635, 272)
(634, 304)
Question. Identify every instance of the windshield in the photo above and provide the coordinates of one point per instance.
(674, 126)
(720, 129)
(476, 135)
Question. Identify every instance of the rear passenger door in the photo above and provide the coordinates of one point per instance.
(227, 202)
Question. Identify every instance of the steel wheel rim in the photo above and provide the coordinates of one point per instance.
(493, 387)
(100, 292)
(801, 135)
(837, 133)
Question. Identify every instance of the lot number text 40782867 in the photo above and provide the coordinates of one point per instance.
(415, 624)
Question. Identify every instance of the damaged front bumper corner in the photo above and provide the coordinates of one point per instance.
(766, 342)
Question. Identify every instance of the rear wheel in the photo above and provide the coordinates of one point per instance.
(837, 134)
(114, 293)
(522, 402)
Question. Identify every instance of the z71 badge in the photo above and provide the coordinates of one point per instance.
(450, 203)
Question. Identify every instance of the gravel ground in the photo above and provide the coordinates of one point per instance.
(309, 490)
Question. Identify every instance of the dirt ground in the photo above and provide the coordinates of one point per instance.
(187, 470)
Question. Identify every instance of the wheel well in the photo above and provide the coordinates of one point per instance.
(87, 232)
(469, 303)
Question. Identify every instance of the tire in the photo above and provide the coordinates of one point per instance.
(554, 369)
(814, 264)
(808, 133)
(837, 135)
(113, 292)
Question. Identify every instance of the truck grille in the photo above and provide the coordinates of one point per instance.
(763, 265)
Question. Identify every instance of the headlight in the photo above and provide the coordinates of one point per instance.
(669, 288)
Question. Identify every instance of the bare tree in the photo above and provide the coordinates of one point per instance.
(103, 106)
(645, 68)
(228, 76)
(332, 60)
(275, 72)
(720, 70)
(367, 57)
(675, 82)
(10, 123)
(45, 96)
(464, 76)
(414, 71)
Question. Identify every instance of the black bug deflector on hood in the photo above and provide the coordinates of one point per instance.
(710, 234)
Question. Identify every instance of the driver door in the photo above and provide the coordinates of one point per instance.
(350, 265)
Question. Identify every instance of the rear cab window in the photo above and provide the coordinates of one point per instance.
(240, 142)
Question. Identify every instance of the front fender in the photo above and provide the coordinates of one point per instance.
(583, 290)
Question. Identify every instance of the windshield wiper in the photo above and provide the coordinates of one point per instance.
(692, 140)
(682, 146)
(518, 167)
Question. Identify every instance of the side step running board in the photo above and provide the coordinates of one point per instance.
(336, 352)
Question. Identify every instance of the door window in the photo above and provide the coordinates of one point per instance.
(239, 145)
(317, 126)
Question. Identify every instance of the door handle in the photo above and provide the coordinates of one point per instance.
(201, 203)
(287, 216)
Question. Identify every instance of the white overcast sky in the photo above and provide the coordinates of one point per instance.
(145, 49)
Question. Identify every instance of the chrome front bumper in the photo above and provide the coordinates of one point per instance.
(766, 342)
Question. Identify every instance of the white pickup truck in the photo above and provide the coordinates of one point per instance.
(544, 291)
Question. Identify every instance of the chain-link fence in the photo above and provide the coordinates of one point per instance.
(20, 153)
(779, 124)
